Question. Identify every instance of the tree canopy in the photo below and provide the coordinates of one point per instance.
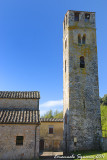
(103, 100)
(51, 114)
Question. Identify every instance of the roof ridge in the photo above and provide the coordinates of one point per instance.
(20, 94)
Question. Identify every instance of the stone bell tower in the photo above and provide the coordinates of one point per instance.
(82, 118)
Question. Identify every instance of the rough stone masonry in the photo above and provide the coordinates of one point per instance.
(82, 118)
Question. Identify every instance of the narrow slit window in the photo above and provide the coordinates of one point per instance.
(79, 39)
(65, 65)
(84, 103)
(65, 118)
(64, 23)
(65, 43)
(66, 19)
(84, 39)
(19, 140)
(76, 16)
(82, 62)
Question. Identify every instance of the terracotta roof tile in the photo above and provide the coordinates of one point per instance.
(51, 119)
(19, 116)
(15, 94)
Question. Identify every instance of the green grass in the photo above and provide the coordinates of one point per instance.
(92, 155)
(104, 120)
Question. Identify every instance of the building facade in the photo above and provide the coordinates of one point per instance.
(19, 125)
(51, 134)
(82, 118)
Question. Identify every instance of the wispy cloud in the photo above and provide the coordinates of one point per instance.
(53, 105)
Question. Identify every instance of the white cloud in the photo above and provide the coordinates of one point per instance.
(53, 105)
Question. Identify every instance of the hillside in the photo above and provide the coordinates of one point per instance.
(104, 119)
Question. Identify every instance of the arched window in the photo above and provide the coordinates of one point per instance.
(82, 62)
(84, 39)
(79, 39)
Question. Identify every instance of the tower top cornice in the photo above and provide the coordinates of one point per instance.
(79, 18)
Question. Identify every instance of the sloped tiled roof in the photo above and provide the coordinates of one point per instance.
(19, 116)
(18, 94)
(51, 119)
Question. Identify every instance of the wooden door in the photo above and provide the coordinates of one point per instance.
(41, 144)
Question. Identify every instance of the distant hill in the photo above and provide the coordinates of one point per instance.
(104, 119)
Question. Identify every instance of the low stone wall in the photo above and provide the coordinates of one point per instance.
(104, 143)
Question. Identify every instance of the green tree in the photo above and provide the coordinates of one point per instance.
(104, 99)
(59, 115)
(101, 101)
(55, 113)
(48, 114)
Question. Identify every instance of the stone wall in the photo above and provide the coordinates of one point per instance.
(19, 103)
(52, 142)
(8, 148)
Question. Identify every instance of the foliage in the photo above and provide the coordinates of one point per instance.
(104, 117)
(58, 114)
(48, 114)
(103, 100)
(51, 114)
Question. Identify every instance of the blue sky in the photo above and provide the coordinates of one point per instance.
(31, 47)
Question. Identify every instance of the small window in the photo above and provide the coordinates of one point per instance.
(82, 62)
(79, 39)
(83, 39)
(50, 130)
(87, 17)
(76, 16)
(19, 140)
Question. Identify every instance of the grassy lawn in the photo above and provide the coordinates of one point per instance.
(92, 155)
(104, 119)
